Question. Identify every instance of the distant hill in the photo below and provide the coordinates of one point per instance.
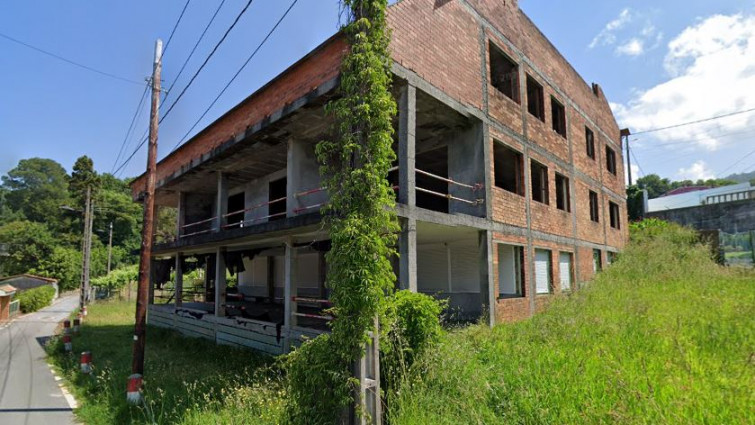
(742, 177)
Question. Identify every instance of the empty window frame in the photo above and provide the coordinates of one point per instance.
(613, 210)
(539, 177)
(590, 142)
(510, 271)
(610, 160)
(508, 165)
(594, 209)
(565, 270)
(543, 273)
(535, 101)
(504, 73)
(558, 115)
(597, 260)
(563, 197)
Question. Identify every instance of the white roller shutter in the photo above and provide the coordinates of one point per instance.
(506, 270)
(432, 268)
(542, 271)
(564, 270)
(465, 268)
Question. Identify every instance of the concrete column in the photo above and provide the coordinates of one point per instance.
(151, 297)
(220, 282)
(179, 281)
(408, 255)
(180, 213)
(487, 284)
(367, 370)
(289, 319)
(302, 174)
(221, 203)
(407, 123)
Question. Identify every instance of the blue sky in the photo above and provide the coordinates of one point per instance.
(659, 63)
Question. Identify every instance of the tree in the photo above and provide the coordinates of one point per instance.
(37, 187)
(29, 245)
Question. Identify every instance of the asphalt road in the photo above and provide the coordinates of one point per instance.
(29, 393)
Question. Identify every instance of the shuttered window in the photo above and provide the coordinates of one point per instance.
(565, 270)
(432, 268)
(465, 267)
(510, 271)
(542, 271)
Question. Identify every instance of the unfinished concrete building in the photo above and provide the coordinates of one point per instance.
(509, 183)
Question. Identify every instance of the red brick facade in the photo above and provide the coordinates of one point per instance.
(446, 44)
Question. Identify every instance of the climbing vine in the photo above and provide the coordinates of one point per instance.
(360, 218)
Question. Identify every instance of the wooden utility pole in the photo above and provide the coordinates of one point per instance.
(142, 292)
(625, 135)
(110, 248)
(87, 249)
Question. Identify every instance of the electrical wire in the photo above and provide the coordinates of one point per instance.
(180, 71)
(254, 53)
(173, 31)
(694, 122)
(88, 68)
(180, 95)
(130, 128)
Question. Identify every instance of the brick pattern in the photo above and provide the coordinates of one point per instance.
(440, 44)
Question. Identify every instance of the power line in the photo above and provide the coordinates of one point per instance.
(695, 122)
(130, 127)
(636, 161)
(61, 58)
(195, 47)
(127, 160)
(170, 108)
(262, 43)
(687, 141)
(173, 31)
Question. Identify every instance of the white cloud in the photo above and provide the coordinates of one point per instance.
(607, 35)
(635, 29)
(710, 72)
(635, 174)
(697, 171)
(633, 47)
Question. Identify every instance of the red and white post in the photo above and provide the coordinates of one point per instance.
(86, 362)
(134, 389)
(67, 345)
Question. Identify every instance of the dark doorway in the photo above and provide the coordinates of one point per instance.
(276, 191)
(236, 210)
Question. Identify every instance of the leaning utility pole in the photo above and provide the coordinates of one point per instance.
(137, 366)
(110, 248)
(625, 135)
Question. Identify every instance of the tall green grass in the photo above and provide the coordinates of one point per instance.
(187, 380)
(663, 336)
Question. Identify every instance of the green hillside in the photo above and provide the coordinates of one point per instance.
(662, 336)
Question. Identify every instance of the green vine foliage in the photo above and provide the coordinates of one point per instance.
(360, 217)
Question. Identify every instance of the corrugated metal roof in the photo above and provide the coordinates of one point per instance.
(691, 199)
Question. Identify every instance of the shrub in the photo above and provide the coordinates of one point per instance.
(118, 278)
(31, 300)
(413, 327)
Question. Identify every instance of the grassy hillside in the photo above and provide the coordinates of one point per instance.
(662, 336)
